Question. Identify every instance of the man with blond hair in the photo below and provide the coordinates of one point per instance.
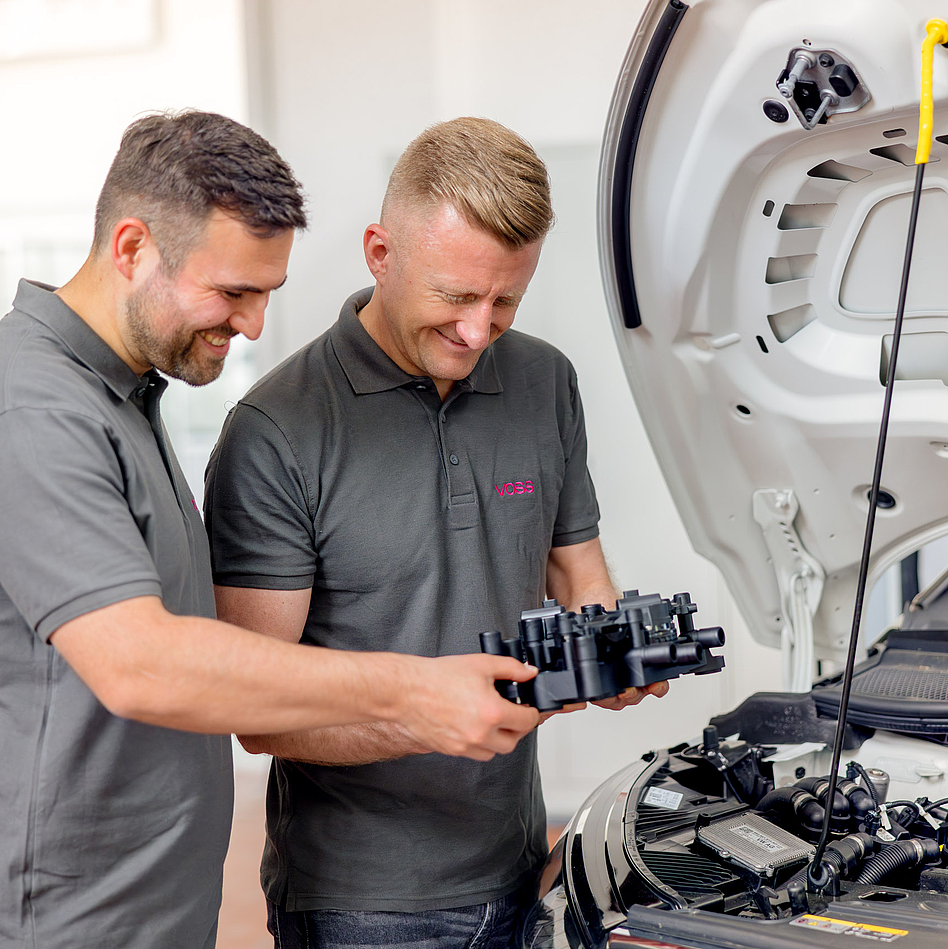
(118, 688)
(414, 476)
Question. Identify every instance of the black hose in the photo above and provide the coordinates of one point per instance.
(778, 796)
(794, 804)
(819, 788)
(882, 864)
(843, 856)
(859, 799)
(903, 853)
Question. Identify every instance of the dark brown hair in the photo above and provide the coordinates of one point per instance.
(173, 169)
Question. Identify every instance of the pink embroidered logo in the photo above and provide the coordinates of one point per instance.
(514, 487)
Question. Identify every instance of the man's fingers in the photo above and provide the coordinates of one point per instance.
(633, 695)
(574, 707)
(466, 715)
(516, 721)
(523, 719)
(512, 669)
(616, 702)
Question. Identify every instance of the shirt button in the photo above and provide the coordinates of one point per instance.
(453, 459)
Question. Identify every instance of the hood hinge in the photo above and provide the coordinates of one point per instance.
(800, 579)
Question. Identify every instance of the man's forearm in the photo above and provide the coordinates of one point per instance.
(203, 675)
(578, 575)
(338, 745)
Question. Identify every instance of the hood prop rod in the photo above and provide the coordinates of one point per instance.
(819, 876)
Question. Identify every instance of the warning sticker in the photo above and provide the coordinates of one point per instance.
(659, 797)
(844, 927)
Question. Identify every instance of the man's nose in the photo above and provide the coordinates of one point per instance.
(248, 316)
(474, 327)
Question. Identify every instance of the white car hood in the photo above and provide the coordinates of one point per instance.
(765, 261)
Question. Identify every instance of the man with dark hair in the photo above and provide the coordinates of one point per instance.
(119, 689)
(411, 478)
(172, 170)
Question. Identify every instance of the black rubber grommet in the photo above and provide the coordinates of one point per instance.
(776, 111)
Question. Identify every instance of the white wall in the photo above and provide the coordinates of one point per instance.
(348, 91)
(341, 89)
(64, 103)
(73, 74)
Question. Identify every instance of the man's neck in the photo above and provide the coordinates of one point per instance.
(370, 316)
(91, 297)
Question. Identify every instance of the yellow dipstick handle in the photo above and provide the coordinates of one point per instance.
(936, 32)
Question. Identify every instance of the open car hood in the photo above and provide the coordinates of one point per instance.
(752, 270)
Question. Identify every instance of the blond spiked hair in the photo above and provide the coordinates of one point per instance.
(490, 175)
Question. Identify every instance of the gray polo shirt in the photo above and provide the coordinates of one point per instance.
(112, 833)
(418, 524)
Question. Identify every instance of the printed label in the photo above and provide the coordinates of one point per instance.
(514, 487)
(754, 836)
(844, 927)
(659, 797)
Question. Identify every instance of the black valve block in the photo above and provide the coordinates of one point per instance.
(595, 654)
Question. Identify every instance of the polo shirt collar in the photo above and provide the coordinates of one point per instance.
(39, 301)
(369, 369)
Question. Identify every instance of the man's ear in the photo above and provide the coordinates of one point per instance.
(377, 244)
(132, 246)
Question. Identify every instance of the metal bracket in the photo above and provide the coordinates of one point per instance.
(800, 578)
(818, 83)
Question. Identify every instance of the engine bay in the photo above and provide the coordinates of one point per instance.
(723, 832)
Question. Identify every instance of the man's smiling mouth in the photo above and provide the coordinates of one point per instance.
(213, 338)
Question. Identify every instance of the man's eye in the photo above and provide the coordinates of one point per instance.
(232, 294)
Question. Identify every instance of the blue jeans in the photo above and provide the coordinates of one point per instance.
(494, 925)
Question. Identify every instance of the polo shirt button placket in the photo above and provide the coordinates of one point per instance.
(451, 457)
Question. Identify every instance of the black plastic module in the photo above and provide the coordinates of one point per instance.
(596, 654)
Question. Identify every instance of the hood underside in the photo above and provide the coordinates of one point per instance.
(752, 269)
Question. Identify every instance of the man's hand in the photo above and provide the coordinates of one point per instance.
(575, 707)
(633, 696)
(453, 707)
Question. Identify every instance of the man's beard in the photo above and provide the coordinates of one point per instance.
(179, 355)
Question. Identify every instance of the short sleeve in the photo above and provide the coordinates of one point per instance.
(577, 516)
(257, 507)
(69, 543)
